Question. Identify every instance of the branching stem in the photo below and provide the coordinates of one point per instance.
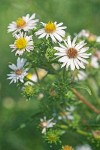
(81, 98)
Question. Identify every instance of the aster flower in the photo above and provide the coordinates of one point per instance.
(67, 147)
(81, 75)
(67, 114)
(95, 59)
(25, 23)
(22, 43)
(53, 30)
(72, 54)
(94, 62)
(89, 36)
(96, 134)
(46, 124)
(32, 77)
(19, 72)
(83, 33)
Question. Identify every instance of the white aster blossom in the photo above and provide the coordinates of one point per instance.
(83, 33)
(53, 30)
(81, 75)
(94, 62)
(67, 114)
(22, 43)
(83, 147)
(25, 23)
(95, 59)
(72, 54)
(18, 71)
(90, 36)
(45, 124)
(32, 77)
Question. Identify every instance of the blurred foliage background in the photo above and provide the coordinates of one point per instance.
(14, 110)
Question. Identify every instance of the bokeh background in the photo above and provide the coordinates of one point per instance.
(15, 111)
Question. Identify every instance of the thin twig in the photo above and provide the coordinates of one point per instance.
(81, 98)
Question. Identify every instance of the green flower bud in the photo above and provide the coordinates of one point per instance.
(53, 136)
(50, 54)
(28, 90)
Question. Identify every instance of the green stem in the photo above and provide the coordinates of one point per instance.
(82, 132)
(79, 131)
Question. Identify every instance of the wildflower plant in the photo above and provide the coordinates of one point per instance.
(57, 69)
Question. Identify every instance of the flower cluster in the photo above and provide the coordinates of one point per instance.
(49, 66)
(70, 54)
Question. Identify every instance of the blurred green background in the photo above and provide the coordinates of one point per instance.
(14, 110)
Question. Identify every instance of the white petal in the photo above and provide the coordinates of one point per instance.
(83, 60)
(42, 35)
(84, 55)
(72, 65)
(69, 41)
(60, 49)
(68, 63)
(80, 45)
(74, 40)
(63, 59)
(61, 28)
(61, 32)
(60, 24)
(44, 130)
(76, 64)
(53, 38)
(80, 64)
(60, 54)
(66, 43)
(62, 46)
(64, 64)
(84, 49)
(58, 37)
(13, 67)
(39, 32)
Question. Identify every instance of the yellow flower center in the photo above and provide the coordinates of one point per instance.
(67, 147)
(29, 76)
(96, 134)
(20, 23)
(20, 43)
(72, 53)
(50, 27)
(18, 72)
(91, 38)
